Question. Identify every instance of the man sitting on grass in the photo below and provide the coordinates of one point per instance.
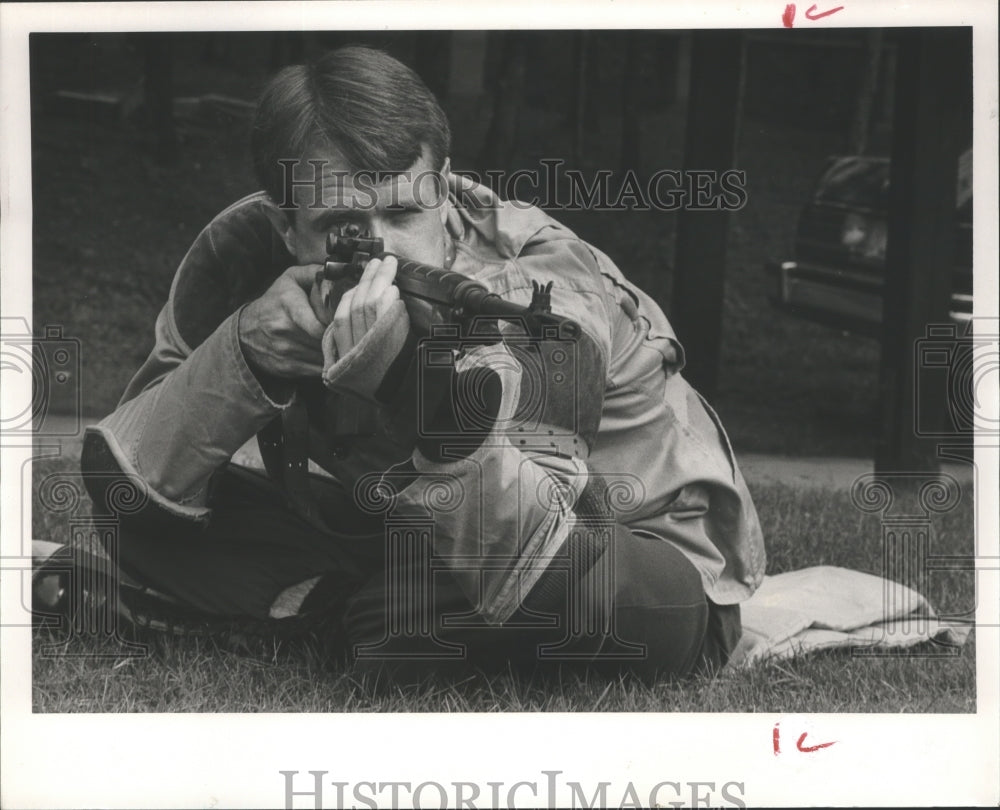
(488, 509)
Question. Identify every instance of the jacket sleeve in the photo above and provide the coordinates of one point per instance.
(186, 411)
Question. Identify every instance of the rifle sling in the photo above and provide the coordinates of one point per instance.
(284, 445)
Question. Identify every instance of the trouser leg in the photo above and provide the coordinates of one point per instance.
(660, 622)
(652, 618)
(251, 550)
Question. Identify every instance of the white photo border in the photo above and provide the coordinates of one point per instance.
(233, 760)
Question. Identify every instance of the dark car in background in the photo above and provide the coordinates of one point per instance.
(838, 272)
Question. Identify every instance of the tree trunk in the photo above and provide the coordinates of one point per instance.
(467, 64)
(917, 417)
(861, 124)
(159, 95)
(710, 143)
(628, 157)
(583, 107)
(433, 61)
(501, 139)
(683, 75)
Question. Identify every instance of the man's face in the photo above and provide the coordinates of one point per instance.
(407, 210)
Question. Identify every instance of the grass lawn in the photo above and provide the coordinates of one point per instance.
(803, 527)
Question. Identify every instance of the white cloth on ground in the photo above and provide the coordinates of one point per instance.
(826, 606)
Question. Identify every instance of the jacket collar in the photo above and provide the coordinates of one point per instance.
(480, 219)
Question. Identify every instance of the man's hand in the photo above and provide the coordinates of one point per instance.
(279, 332)
(369, 332)
(361, 306)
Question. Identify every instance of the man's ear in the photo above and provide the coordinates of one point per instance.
(281, 221)
(447, 182)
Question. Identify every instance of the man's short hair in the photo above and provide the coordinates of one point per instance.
(361, 102)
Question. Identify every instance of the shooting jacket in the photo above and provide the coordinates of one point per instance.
(670, 468)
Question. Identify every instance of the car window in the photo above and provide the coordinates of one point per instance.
(856, 181)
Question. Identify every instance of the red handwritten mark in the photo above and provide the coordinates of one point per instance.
(789, 16)
(808, 749)
(819, 15)
(805, 749)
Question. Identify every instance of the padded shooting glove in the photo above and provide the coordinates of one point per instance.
(369, 333)
(374, 366)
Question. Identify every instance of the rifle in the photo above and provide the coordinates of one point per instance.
(435, 296)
